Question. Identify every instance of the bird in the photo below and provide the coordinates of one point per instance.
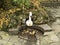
(29, 22)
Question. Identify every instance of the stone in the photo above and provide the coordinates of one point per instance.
(14, 31)
(56, 43)
(49, 33)
(13, 39)
(58, 34)
(58, 20)
(9, 43)
(45, 40)
(4, 35)
(46, 27)
(56, 27)
(3, 42)
(49, 39)
(38, 42)
(54, 38)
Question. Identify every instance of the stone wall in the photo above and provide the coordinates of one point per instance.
(50, 0)
(50, 4)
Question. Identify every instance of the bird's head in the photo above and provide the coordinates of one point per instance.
(30, 14)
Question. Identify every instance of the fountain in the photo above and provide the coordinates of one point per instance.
(30, 32)
(30, 29)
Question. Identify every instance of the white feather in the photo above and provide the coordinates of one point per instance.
(29, 22)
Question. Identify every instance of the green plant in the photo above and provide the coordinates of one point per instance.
(16, 15)
(22, 3)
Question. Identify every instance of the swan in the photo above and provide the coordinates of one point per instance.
(29, 22)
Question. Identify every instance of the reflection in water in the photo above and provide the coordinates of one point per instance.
(31, 40)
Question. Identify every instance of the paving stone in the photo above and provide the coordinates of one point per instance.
(17, 44)
(55, 12)
(46, 27)
(9, 43)
(14, 39)
(38, 42)
(58, 20)
(2, 42)
(56, 27)
(56, 43)
(14, 31)
(46, 40)
(49, 33)
(58, 34)
(4, 35)
(54, 38)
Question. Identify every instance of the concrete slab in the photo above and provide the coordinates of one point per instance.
(46, 27)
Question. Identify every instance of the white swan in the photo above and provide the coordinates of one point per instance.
(29, 22)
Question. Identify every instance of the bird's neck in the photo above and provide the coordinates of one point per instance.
(30, 18)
